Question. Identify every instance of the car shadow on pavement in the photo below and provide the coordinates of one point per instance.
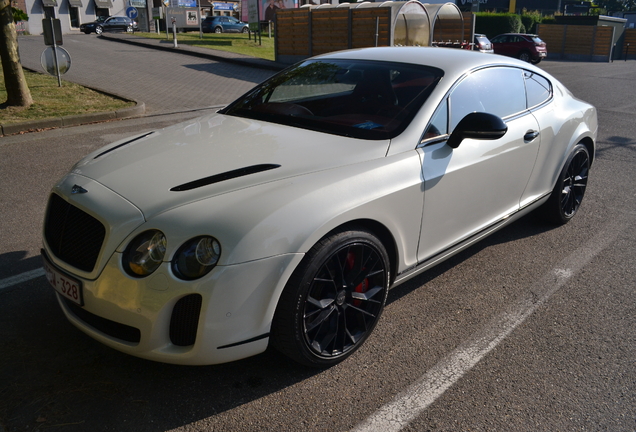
(227, 70)
(527, 226)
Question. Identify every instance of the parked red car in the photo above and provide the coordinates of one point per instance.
(526, 47)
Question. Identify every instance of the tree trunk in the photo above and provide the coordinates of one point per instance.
(18, 93)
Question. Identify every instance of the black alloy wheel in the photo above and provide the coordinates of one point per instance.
(569, 190)
(333, 300)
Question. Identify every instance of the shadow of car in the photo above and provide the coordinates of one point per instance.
(527, 47)
(483, 44)
(110, 24)
(223, 24)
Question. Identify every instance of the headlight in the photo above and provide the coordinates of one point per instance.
(145, 253)
(196, 257)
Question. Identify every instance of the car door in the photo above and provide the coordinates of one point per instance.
(472, 187)
(233, 24)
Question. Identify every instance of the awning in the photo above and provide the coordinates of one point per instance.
(49, 3)
(103, 4)
(75, 3)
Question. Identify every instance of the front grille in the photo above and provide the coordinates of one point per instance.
(111, 328)
(185, 320)
(74, 236)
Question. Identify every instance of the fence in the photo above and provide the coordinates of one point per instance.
(578, 42)
(629, 44)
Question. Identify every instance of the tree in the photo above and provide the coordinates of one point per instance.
(18, 93)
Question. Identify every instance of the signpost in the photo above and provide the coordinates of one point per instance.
(55, 60)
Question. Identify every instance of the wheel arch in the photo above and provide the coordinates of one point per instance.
(380, 231)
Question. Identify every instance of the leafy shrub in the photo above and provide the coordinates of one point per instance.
(493, 24)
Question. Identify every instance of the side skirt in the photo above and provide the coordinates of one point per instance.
(455, 249)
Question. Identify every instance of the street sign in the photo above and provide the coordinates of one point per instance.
(131, 12)
(52, 31)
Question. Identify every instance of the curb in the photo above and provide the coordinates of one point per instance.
(187, 50)
(74, 120)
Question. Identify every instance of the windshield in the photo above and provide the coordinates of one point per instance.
(361, 99)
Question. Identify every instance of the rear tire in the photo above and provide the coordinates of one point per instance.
(218, 30)
(524, 56)
(333, 300)
(569, 190)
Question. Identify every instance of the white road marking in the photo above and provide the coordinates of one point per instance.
(22, 277)
(408, 405)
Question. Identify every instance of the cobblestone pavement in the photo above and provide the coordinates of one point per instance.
(164, 81)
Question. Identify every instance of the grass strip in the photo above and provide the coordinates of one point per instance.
(50, 101)
(232, 42)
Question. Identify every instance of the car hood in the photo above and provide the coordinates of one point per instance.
(213, 155)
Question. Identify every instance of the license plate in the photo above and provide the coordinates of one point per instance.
(64, 284)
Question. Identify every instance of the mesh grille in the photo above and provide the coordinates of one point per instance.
(73, 235)
(106, 326)
(185, 320)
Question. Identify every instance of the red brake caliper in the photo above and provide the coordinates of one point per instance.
(364, 285)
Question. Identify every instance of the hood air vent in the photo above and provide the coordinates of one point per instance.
(123, 144)
(224, 176)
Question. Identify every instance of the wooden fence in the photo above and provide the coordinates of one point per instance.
(629, 44)
(577, 42)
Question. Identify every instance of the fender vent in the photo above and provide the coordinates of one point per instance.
(224, 176)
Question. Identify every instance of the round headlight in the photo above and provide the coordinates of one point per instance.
(145, 253)
(196, 257)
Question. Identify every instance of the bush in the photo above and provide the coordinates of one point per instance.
(530, 20)
(19, 15)
(493, 24)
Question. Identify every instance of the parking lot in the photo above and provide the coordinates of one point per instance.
(533, 329)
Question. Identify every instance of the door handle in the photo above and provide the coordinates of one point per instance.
(530, 135)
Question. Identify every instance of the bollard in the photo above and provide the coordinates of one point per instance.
(627, 52)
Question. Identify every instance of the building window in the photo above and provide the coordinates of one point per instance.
(74, 14)
(49, 12)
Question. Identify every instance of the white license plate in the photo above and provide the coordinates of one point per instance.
(65, 285)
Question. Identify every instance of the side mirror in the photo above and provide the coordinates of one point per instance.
(478, 125)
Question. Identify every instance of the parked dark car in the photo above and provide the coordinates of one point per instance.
(483, 44)
(223, 24)
(526, 47)
(110, 24)
(89, 28)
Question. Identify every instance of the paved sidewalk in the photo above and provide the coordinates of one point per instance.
(140, 109)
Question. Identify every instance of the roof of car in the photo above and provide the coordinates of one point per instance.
(454, 62)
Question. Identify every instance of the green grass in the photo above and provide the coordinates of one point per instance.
(50, 101)
(232, 42)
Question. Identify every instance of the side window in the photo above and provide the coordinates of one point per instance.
(439, 122)
(499, 91)
(538, 89)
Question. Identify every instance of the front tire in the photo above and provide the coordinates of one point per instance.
(99, 30)
(333, 300)
(569, 190)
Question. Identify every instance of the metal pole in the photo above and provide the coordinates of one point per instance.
(174, 33)
(57, 65)
(377, 30)
(200, 19)
(627, 52)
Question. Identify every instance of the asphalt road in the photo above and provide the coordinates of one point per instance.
(531, 330)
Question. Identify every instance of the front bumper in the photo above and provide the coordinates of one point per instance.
(236, 309)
